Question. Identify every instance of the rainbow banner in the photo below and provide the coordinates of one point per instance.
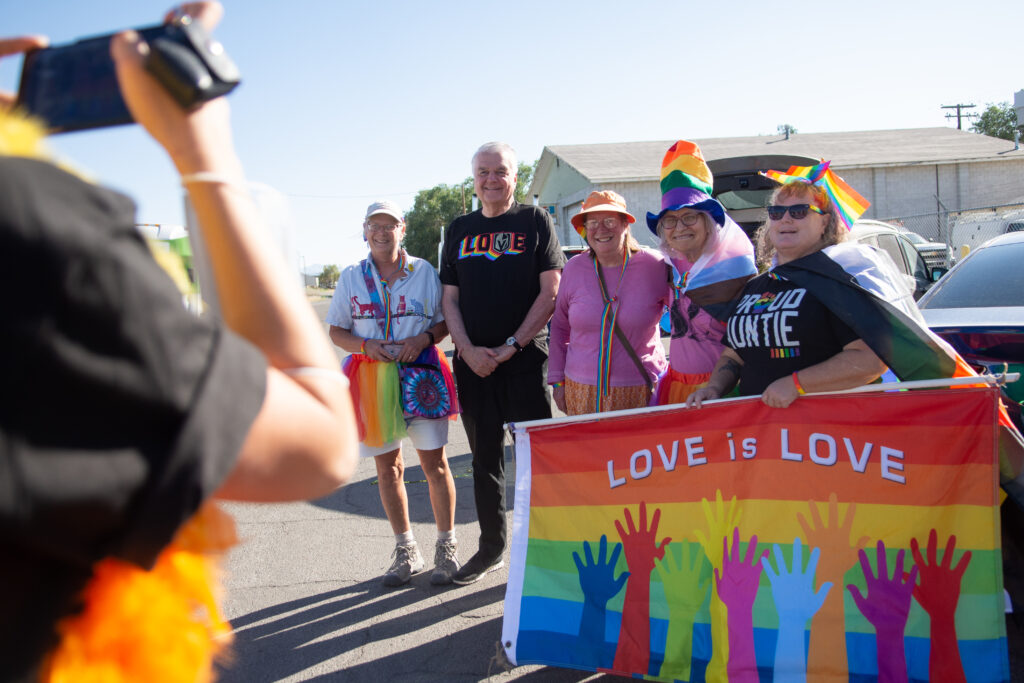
(847, 537)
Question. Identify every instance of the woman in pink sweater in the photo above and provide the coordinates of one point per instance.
(606, 351)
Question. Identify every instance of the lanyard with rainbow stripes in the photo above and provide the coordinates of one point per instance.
(611, 311)
(381, 310)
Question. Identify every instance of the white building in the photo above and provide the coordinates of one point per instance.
(903, 173)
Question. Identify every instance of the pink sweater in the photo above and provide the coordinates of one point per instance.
(576, 324)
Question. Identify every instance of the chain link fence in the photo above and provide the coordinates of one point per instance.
(961, 230)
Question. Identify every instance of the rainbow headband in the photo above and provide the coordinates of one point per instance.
(849, 205)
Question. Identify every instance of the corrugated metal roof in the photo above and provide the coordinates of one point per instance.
(621, 161)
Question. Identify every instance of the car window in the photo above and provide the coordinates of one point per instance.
(890, 245)
(915, 238)
(915, 260)
(992, 276)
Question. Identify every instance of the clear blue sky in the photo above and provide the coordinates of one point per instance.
(344, 102)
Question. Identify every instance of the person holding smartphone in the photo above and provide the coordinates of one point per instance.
(121, 414)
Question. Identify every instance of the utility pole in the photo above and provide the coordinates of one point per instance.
(958, 108)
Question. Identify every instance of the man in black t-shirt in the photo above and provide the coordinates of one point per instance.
(500, 269)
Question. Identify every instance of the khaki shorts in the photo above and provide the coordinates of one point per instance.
(426, 435)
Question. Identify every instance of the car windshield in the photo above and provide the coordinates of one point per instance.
(915, 238)
(990, 277)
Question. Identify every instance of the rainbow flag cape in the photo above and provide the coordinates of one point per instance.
(848, 202)
(847, 537)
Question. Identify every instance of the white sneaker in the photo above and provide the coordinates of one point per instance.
(445, 563)
(408, 562)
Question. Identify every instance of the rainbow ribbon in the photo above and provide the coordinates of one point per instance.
(848, 203)
(611, 312)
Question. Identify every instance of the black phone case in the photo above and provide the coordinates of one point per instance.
(74, 87)
(191, 65)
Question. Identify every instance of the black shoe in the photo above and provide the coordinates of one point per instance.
(475, 569)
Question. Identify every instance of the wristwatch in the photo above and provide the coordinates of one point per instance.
(511, 341)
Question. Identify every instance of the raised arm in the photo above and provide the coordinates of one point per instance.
(303, 441)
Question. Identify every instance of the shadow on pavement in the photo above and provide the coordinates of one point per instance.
(283, 640)
(363, 498)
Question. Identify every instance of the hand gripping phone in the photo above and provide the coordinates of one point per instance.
(74, 86)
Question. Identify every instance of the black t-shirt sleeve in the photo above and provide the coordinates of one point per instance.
(446, 270)
(549, 250)
(120, 412)
(111, 385)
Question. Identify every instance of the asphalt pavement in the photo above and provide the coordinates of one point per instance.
(305, 599)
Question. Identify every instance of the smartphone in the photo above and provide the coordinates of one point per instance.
(74, 86)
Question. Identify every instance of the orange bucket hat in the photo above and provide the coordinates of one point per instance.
(602, 200)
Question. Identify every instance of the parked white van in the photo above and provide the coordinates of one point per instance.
(974, 228)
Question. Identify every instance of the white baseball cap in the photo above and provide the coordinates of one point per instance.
(389, 208)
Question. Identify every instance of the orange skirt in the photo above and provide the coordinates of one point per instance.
(676, 386)
(582, 398)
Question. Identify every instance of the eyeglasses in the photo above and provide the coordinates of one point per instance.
(797, 211)
(673, 222)
(376, 227)
(610, 222)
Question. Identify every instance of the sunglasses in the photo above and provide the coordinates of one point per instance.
(797, 211)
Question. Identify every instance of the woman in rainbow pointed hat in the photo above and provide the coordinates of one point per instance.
(605, 350)
(711, 259)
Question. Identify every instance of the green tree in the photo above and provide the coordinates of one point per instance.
(437, 207)
(524, 175)
(786, 128)
(432, 210)
(998, 121)
(329, 276)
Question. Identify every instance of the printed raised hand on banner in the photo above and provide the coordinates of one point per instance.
(599, 585)
(633, 651)
(827, 654)
(795, 603)
(886, 606)
(720, 522)
(737, 585)
(686, 585)
(938, 594)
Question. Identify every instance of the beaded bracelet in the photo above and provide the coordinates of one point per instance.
(796, 383)
(556, 384)
(362, 347)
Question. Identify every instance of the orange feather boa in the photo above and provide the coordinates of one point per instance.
(160, 625)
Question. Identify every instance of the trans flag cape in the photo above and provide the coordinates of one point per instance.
(847, 537)
(718, 276)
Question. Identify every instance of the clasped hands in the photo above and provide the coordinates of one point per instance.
(484, 360)
(401, 350)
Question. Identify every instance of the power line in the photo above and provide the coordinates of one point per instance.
(958, 114)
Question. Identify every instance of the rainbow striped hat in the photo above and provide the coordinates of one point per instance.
(686, 183)
(848, 203)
